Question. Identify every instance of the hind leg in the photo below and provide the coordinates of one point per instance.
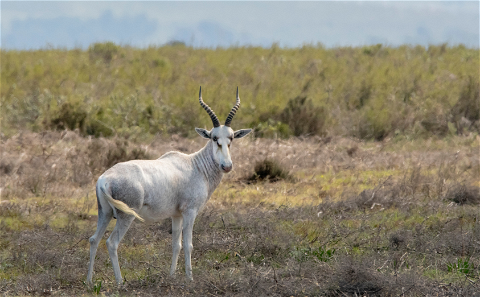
(123, 223)
(103, 220)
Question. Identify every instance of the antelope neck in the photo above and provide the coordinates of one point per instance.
(205, 163)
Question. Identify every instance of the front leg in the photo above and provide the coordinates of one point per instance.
(188, 220)
(176, 241)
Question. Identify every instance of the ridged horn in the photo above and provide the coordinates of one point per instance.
(215, 121)
(233, 111)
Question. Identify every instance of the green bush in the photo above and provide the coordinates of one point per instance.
(70, 116)
(303, 117)
(467, 109)
(436, 124)
(24, 112)
(97, 128)
(105, 51)
(272, 129)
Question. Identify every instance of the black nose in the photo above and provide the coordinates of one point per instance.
(226, 169)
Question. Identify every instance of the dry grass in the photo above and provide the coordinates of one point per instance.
(399, 218)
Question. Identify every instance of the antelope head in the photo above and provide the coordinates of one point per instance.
(221, 135)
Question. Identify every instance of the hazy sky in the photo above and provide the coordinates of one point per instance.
(37, 24)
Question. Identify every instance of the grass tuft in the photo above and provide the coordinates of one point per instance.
(269, 170)
(464, 195)
(353, 278)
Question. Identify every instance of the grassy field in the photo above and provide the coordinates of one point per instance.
(350, 218)
(370, 92)
(361, 179)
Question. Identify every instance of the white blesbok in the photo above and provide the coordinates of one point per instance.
(176, 185)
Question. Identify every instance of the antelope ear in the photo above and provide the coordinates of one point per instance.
(241, 133)
(202, 132)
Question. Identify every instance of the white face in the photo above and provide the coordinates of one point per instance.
(222, 138)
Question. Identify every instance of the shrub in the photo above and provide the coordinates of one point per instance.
(97, 128)
(272, 129)
(463, 195)
(303, 117)
(397, 240)
(372, 50)
(374, 123)
(70, 116)
(105, 51)
(6, 166)
(269, 169)
(24, 112)
(467, 108)
(435, 124)
(352, 278)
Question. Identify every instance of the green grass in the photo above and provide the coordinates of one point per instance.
(364, 92)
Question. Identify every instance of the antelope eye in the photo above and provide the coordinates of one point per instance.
(215, 138)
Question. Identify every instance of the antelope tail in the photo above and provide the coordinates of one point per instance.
(120, 205)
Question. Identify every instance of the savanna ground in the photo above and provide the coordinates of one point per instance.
(341, 217)
(361, 179)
